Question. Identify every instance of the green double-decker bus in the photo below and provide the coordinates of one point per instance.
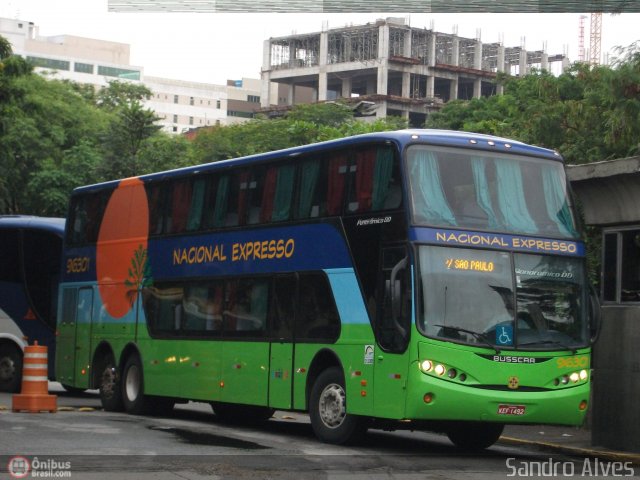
(417, 279)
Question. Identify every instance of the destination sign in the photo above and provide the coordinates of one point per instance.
(469, 265)
(497, 241)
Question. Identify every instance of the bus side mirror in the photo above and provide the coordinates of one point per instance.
(595, 314)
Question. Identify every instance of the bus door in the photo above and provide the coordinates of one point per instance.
(392, 332)
(281, 319)
(73, 357)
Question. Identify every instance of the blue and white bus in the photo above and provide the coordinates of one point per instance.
(30, 252)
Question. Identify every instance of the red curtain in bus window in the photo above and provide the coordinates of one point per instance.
(268, 194)
(365, 167)
(155, 210)
(181, 201)
(336, 182)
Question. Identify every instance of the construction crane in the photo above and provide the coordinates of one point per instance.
(595, 43)
(581, 52)
(596, 38)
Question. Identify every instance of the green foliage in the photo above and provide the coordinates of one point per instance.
(587, 114)
(305, 124)
(5, 48)
(131, 124)
(121, 94)
(163, 152)
(321, 114)
(49, 187)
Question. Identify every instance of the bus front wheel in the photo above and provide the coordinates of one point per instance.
(10, 368)
(109, 385)
(474, 436)
(328, 410)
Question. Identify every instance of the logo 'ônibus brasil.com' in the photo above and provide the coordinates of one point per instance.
(18, 467)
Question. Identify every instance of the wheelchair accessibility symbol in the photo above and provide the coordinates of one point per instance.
(504, 335)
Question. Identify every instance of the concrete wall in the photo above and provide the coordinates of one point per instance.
(616, 380)
(609, 193)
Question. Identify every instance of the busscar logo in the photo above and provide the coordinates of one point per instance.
(19, 467)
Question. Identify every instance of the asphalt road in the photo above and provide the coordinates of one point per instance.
(81, 441)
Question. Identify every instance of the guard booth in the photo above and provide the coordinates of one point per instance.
(609, 192)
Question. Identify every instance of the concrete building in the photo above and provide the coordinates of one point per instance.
(396, 69)
(181, 105)
(609, 192)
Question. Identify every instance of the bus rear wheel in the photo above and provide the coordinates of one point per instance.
(328, 410)
(474, 436)
(133, 397)
(10, 368)
(109, 385)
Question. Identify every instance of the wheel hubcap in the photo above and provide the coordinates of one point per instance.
(7, 369)
(132, 383)
(108, 383)
(332, 406)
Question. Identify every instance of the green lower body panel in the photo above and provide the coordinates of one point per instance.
(452, 401)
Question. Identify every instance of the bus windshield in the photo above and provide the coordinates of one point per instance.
(492, 191)
(468, 297)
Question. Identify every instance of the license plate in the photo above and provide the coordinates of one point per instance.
(511, 409)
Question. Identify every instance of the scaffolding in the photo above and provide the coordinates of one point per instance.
(353, 45)
(397, 42)
(420, 41)
(444, 49)
(467, 53)
(490, 57)
(295, 52)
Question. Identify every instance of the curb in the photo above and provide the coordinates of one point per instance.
(609, 455)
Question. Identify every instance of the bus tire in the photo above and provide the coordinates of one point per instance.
(328, 410)
(474, 436)
(133, 397)
(109, 385)
(10, 368)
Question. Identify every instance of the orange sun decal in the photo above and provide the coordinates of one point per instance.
(122, 247)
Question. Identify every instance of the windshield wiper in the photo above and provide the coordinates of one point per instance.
(476, 335)
(550, 342)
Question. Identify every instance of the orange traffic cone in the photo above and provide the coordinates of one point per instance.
(35, 396)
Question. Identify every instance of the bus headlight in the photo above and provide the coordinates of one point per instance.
(426, 366)
(583, 375)
(440, 369)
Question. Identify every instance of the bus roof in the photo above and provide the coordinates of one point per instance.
(400, 137)
(30, 222)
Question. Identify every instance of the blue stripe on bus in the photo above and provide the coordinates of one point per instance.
(500, 241)
(348, 297)
(267, 250)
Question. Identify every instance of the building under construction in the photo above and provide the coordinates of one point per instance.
(389, 68)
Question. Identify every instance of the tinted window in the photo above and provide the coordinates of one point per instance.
(9, 256)
(246, 307)
(85, 217)
(317, 317)
(42, 252)
(282, 307)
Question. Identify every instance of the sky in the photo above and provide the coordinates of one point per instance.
(216, 47)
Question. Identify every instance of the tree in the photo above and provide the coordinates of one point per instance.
(5, 48)
(41, 119)
(49, 188)
(587, 113)
(120, 94)
(131, 124)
